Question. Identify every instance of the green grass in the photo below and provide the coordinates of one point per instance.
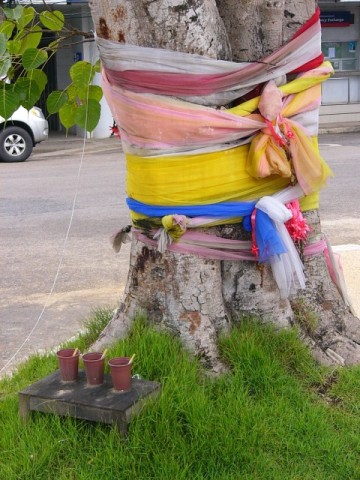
(275, 415)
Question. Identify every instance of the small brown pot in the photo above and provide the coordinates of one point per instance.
(94, 367)
(120, 370)
(68, 364)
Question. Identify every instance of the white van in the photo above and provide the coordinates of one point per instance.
(20, 133)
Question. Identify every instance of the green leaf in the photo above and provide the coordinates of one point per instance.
(82, 73)
(67, 114)
(27, 91)
(7, 28)
(8, 102)
(31, 39)
(20, 88)
(86, 92)
(14, 47)
(72, 92)
(52, 20)
(11, 72)
(55, 101)
(3, 42)
(39, 77)
(54, 45)
(88, 115)
(33, 58)
(95, 93)
(27, 16)
(97, 66)
(5, 64)
(14, 13)
(80, 92)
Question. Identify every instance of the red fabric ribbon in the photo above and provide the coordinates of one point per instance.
(297, 225)
(254, 247)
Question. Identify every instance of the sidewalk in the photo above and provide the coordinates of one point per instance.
(350, 262)
(347, 127)
(59, 144)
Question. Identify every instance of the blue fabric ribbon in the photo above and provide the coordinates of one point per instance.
(226, 209)
(267, 237)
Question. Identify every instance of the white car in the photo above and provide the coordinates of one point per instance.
(20, 133)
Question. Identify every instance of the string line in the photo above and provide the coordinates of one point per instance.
(62, 256)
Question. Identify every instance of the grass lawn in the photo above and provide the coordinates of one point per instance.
(275, 415)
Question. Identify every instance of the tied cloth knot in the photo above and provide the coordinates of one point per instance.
(121, 237)
(174, 227)
(282, 147)
(276, 246)
(297, 226)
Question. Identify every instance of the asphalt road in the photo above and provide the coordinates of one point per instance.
(340, 201)
(36, 200)
(52, 276)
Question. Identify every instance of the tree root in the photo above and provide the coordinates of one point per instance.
(194, 298)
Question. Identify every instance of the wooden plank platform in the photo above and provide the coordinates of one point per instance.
(100, 403)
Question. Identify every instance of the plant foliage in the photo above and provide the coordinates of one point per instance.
(22, 59)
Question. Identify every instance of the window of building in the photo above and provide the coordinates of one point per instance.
(342, 55)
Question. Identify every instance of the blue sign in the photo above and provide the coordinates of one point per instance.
(352, 47)
(336, 19)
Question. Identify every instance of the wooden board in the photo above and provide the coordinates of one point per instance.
(100, 403)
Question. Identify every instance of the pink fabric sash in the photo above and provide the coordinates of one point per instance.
(152, 70)
(158, 125)
(216, 248)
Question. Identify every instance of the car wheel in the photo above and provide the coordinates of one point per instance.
(15, 144)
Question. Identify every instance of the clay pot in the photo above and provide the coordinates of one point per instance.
(120, 370)
(94, 368)
(68, 364)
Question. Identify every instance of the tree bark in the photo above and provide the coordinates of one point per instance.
(196, 298)
(256, 28)
(191, 26)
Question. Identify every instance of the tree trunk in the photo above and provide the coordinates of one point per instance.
(191, 296)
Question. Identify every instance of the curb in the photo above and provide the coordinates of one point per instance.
(335, 128)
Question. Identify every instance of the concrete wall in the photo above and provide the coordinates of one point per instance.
(341, 93)
(340, 114)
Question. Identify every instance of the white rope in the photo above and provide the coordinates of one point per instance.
(61, 261)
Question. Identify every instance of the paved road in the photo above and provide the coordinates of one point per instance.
(340, 202)
(340, 206)
(36, 199)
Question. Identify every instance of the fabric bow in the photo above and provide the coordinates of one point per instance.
(174, 226)
(282, 147)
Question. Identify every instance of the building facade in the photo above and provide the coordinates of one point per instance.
(340, 23)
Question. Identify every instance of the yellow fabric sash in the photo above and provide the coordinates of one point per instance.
(232, 175)
(201, 179)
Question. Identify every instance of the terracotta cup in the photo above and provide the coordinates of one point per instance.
(120, 370)
(68, 364)
(94, 366)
